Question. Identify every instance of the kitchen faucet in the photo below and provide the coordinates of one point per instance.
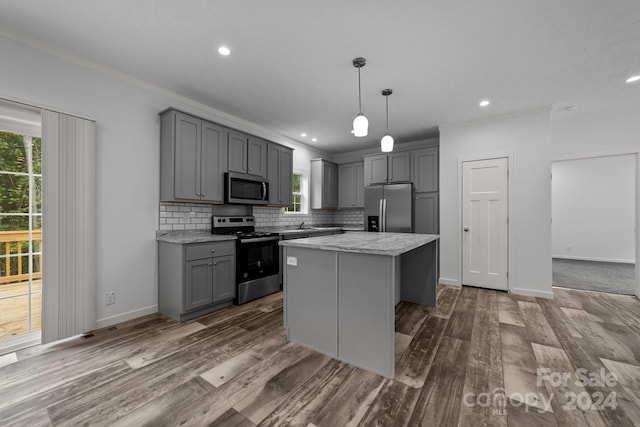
(301, 225)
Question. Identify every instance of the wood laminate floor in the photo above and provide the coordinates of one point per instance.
(480, 358)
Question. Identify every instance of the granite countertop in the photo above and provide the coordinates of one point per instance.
(184, 237)
(391, 244)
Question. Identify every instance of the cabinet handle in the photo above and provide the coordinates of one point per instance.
(198, 194)
(215, 263)
(210, 264)
(213, 250)
(204, 194)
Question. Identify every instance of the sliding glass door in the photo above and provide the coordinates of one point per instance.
(20, 234)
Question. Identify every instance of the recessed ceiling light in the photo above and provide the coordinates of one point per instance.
(224, 51)
(633, 79)
(314, 139)
(484, 103)
(303, 134)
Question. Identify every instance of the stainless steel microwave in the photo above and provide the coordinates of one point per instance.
(245, 189)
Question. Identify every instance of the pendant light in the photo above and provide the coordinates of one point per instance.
(386, 143)
(360, 123)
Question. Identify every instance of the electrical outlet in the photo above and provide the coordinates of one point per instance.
(109, 298)
(292, 260)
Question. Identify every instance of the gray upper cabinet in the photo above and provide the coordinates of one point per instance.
(351, 185)
(257, 156)
(247, 154)
(425, 170)
(324, 184)
(279, 173)
(190, 151)
(387, 168)
(375, 169)
(237, 152)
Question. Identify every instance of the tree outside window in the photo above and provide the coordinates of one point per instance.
(296, 205)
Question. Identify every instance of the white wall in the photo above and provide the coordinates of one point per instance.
(574, 134)
(526, 137)
(128, 132)
(593, 209)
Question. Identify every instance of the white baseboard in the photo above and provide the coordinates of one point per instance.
(586, 258)
(445, 281)
(123, 317)
(532, 293)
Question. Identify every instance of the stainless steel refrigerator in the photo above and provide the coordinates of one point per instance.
(389, 208)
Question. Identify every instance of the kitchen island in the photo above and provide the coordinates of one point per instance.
(340, 292)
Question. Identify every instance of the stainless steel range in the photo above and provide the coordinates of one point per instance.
(257, 257)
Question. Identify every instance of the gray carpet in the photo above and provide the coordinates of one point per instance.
(612, 277)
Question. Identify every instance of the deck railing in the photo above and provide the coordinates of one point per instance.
(11, 247)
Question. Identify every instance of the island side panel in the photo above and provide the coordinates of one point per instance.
(366, 311)
(419, 274)
(311, 299)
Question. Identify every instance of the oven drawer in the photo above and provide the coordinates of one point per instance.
(209, 250)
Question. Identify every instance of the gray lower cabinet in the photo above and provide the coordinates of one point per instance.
(351, 185)
(190, 158)
(280, 174)
(196, 278)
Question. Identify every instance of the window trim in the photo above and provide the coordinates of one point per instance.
(304, 191)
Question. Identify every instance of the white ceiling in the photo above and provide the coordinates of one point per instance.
(291, 69)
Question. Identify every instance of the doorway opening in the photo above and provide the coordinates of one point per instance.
(20, 227)
(594, 222)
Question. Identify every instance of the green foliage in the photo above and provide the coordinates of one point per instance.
(14, 188)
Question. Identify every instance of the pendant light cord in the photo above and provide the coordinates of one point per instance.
(387, 113)
(359, 94)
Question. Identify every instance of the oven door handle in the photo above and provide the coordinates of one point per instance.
(260, 239)
(264, 190)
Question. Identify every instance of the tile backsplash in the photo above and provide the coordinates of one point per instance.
(183, 216)
(271, 217)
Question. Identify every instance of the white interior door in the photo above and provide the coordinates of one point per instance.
(485, 223)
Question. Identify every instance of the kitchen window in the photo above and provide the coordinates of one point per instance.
(298, 195)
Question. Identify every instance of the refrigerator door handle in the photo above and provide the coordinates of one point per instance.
(380, 217)
(384, 215)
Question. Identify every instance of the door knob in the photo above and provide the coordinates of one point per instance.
(466, 229)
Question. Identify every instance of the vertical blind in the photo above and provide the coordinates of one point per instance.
(69, 226)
